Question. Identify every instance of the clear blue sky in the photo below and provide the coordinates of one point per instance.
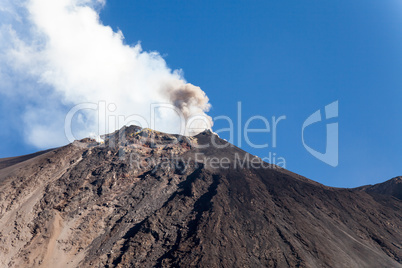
(282, 58)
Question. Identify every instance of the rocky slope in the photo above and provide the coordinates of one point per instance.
(149, 199)
(391, 187)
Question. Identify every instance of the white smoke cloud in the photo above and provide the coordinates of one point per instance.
(57, 54)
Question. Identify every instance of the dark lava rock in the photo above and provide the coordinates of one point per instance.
(149, 199)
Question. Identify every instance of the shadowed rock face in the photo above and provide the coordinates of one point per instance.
(150, 199)
(391, 187)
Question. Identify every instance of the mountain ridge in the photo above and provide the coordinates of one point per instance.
(119, 205)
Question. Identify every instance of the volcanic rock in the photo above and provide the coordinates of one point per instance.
(143, 198)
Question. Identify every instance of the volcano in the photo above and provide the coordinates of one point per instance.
(149, 199)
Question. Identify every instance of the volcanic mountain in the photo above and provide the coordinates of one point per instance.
(149, 199)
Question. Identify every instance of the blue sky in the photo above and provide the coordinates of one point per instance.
(279, 58)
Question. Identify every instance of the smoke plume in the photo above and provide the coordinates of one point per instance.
(55, 55)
